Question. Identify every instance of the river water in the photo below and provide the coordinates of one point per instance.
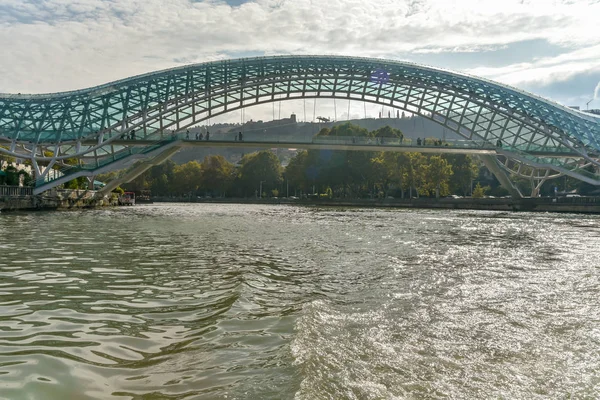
(207, 301)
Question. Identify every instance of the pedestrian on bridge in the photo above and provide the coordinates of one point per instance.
(241, 136)
(187, 134)
(132, 134)
(418, 141)
(207, 135)
(201, 136)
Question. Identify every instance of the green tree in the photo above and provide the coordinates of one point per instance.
(142, 182)
(345, 130)
(388, 132)
(344, 171)
(296, 169)
(479, 192)
(415, 173)
(27, 178)
(259, 167)
(397, 166)
(323, 132)
(523, 178)
(464, 171)
(109, 176)
(160, 178)
(161, 185)
(358, 171)
(438, 173)
(379, 172)
(77, 183)
(12, 176)
(341, 170)
(187, 178)
(217, 174)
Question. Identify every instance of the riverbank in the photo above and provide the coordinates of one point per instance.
(64, 199)
(583, 205)
(79, 199)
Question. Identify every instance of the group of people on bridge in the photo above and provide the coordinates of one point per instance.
(240, 137)
(199, 135)
(131, 135)
(436, 142)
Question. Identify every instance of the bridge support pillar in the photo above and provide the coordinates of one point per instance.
(492, 164)
(535, 191)
(138, 170)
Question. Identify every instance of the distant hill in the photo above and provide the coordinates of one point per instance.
(289, 128)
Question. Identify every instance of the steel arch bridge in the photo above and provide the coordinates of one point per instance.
(89, 124)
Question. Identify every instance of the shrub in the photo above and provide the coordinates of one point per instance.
(479, 191)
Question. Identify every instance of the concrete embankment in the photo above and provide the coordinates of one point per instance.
(528, 204)
(77, 199)
(586, 205)
(55, 200)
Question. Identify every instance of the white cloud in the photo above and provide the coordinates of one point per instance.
(545, 70)
(58, 45)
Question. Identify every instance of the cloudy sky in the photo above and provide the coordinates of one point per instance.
(549, 47)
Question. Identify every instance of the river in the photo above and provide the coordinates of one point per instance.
(209, 301)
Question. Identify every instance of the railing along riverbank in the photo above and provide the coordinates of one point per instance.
(15, 198)
(15, 191)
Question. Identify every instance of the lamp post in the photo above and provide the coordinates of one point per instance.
(260, 189)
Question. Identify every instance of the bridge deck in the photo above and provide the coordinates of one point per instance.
(463, 147)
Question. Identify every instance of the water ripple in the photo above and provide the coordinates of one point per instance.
(272, 302)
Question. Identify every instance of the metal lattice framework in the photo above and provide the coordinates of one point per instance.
(88, 124)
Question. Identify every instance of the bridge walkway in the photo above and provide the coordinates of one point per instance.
(360, 144)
